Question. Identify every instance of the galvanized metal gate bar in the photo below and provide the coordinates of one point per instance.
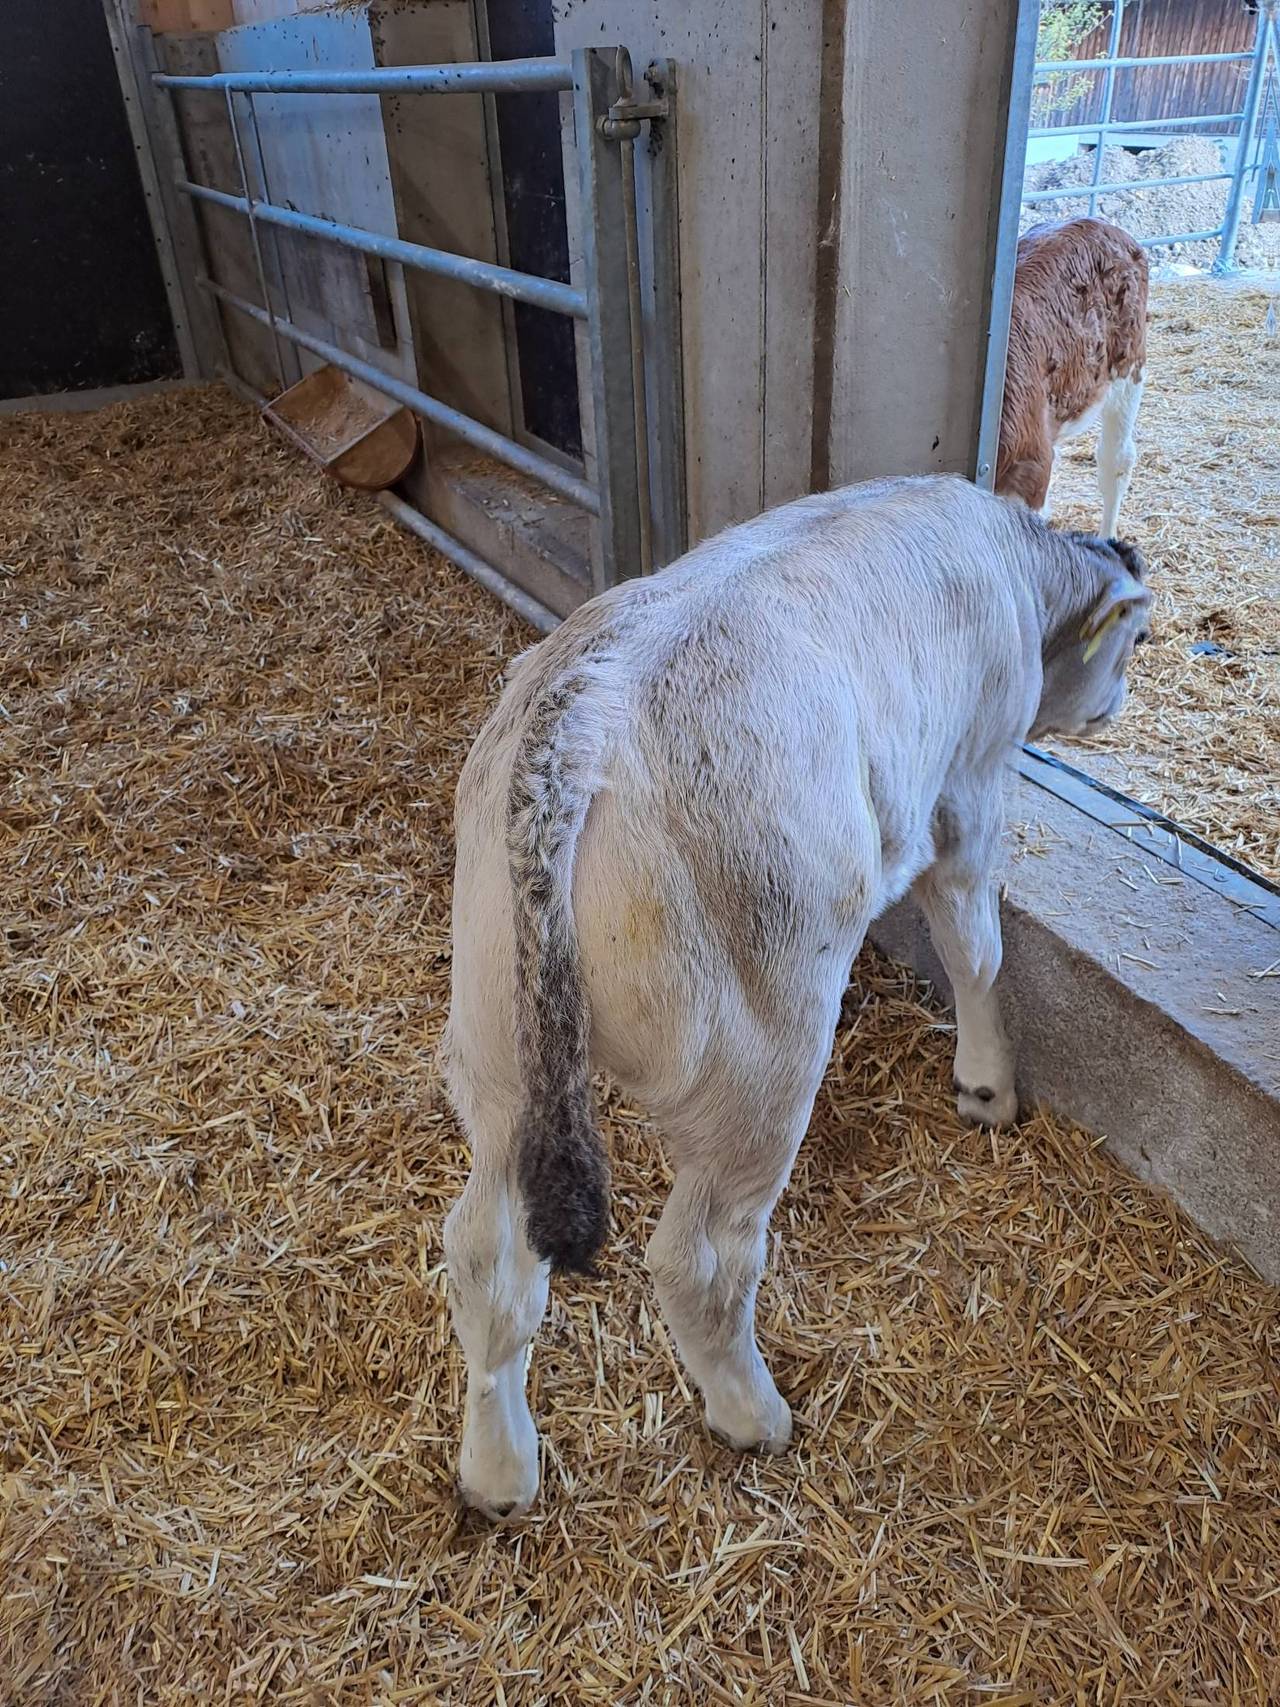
(1266, 63)
(661, 322)
(1002, 239)
(502, 281)
(1135, 64)
(1095, 190)
(610, 300)
(605, 272)
(495, 76)
(248, 206)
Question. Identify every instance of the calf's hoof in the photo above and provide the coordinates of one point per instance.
(985, 1106)
(499, 1478)
(495, 1509)
(763, 1428)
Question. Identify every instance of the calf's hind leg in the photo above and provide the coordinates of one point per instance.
(733, 1146)
(497, 1294)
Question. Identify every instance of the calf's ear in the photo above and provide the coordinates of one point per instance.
(1122, 596)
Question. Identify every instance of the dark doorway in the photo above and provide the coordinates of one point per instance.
(82, 301)
(537, 235)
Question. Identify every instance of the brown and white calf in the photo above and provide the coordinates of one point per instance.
(689, 804)
(1077, 350)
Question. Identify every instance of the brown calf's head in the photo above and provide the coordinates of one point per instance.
(1088, 651)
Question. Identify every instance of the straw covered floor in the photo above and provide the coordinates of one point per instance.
(1038, 1455)
(1200, 739)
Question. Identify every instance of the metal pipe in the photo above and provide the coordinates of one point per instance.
(1139, 64)
(1108, 93)
(429, 408)
(264, 185)
(509, 76)
(253, 233)
(515, 598)
(1248, 124)
(1153, 125)
(1119, 189)
(1179, 237)
(503, 281)
(1002, 241)
(661, 205)
(603, 261)
(630, 233)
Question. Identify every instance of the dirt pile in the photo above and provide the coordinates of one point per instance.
(1171, 209)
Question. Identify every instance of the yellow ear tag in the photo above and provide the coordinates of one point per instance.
(1094, 644)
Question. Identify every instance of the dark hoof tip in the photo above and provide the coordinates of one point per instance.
(480, 1511)
(983, 1093)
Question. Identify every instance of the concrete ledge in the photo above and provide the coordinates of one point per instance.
(1141, 1007)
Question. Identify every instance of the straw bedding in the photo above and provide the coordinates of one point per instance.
(1201, 738)
(1039, 1444)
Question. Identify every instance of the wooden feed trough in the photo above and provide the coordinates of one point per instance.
(350, 429)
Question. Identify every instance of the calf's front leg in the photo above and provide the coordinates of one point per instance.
(960, 901)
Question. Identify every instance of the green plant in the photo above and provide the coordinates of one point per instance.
(1064, 24)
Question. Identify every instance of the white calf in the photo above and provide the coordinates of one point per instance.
(689, 804)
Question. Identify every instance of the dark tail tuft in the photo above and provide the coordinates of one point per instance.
(565, 1184)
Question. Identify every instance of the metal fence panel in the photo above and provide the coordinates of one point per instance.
(616, 301)
(1262, 61)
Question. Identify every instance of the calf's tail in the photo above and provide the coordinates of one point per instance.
(562, 1171)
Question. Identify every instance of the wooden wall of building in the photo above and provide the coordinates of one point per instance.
(1161, 27)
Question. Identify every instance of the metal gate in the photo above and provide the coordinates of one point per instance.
(631, 483)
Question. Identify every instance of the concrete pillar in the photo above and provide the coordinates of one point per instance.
(925, 95)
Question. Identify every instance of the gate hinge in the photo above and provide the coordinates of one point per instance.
(622, 122)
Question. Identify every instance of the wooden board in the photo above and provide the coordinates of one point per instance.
(327, 155)
(439, 165)
(185, 16)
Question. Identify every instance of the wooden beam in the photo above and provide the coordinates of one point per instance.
(169, 17)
